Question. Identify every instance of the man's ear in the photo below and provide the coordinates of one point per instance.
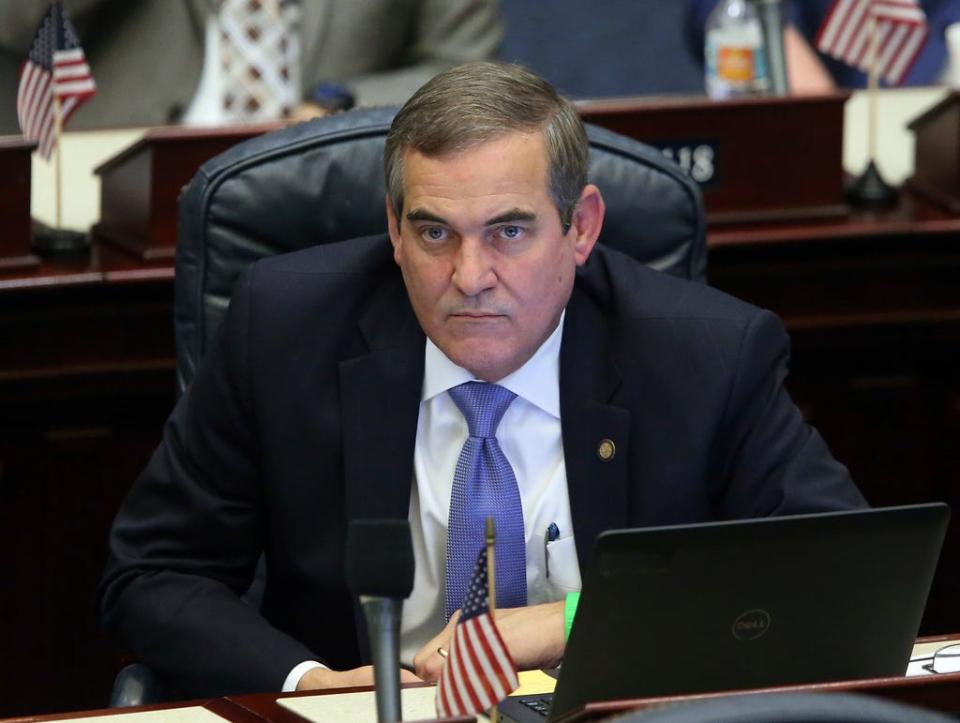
(393, 229)
(587, 222)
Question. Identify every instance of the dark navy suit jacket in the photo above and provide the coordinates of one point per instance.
(304, 414)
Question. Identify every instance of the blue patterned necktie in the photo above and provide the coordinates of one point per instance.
(484, 484)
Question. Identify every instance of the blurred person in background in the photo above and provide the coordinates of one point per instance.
(635, 47)
(173, 61)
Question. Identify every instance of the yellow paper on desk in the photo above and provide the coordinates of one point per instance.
(534, 682)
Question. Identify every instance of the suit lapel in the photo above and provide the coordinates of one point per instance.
(595, 432)
(380, 397)
(380, 401)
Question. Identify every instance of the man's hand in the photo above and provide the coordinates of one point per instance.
(535, 637)
(308, 110)
(319, 678)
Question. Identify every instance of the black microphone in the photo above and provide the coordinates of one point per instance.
(380, 573)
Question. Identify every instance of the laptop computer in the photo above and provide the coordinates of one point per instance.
(746, 604)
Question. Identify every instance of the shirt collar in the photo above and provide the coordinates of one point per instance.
(537, 381)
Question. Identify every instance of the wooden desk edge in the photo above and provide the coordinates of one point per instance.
(223, 707)
(259, 707)
(934, 692)
(266, 706)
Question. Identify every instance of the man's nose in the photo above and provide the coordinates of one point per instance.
(473, 270)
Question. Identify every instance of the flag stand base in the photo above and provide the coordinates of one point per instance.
(49, 241)
(870, 190)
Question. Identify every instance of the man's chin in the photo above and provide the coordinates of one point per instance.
(485, 361)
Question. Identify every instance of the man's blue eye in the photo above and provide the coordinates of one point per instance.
(434, 233)
(511, 232)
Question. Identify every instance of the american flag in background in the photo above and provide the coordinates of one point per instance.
(901, 28)
(55, 68)
(479, 671)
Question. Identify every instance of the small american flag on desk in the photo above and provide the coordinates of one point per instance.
(55, 68)
(900, 27)
(479, 671)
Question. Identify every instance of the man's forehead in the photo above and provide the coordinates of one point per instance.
(479, 146)
(510, 164)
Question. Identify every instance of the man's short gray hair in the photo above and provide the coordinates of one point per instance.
(479, 102)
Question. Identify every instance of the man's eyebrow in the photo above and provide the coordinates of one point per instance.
(419, 214)
(514, 214)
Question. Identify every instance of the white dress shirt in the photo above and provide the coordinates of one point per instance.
(530, 436)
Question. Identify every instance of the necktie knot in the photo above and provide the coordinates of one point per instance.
(482, 405)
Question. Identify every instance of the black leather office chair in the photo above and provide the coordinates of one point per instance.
(322, 182)
(790, 708)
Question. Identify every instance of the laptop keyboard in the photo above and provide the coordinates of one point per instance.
(538, 704)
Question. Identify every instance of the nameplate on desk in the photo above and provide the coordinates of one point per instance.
(698, 158)
(140, 185)
(782, 156)
(936, 174)
(15, 169)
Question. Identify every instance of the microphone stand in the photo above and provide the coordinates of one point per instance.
(383, 622)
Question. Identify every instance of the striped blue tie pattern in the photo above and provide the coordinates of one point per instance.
(484, 484)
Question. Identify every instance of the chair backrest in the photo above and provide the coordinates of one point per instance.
(322, 182)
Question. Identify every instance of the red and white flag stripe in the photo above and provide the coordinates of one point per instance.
(479, 671)
(900, 26)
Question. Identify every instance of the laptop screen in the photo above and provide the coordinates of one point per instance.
(752, 603)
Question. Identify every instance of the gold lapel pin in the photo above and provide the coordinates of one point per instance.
(606, 450)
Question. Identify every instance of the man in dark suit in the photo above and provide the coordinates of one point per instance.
(334, 391)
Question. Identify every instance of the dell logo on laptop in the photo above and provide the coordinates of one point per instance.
(751, 624)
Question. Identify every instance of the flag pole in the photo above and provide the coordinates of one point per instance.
(491, 541)
(869, 188)
(872, 85)
(58, 239)
(57, 132)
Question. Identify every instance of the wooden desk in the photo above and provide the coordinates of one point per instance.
(87, 379)
(213, 710)
(254, 708)
(940, 692)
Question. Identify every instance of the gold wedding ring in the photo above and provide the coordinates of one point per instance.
(442, 653)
